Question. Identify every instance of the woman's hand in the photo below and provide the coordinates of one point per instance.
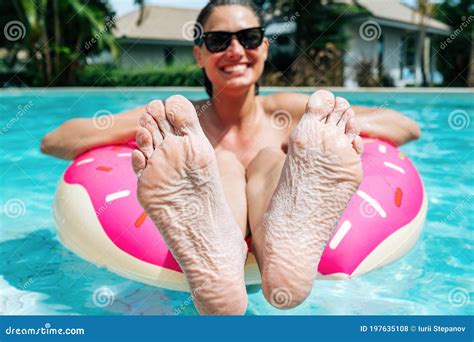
(386, 124)
(76, 136)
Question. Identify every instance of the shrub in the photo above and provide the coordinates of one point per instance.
(104, 75)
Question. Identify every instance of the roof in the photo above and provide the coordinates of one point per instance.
(177, 24)
(159, 23)
(393, 12)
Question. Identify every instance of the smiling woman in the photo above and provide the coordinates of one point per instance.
(230, 164)
(210, 31)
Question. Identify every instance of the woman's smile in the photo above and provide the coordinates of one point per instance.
(234, 70)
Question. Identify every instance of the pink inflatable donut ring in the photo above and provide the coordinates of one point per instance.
(99, 218)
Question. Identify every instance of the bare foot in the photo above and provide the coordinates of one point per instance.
(321, 173)
(180, 189)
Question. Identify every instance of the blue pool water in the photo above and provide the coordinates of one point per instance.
(39, 276)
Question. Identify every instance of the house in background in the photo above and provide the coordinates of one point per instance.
(388, 38)
(163, 37)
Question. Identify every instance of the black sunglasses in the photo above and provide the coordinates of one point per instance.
(218, 41)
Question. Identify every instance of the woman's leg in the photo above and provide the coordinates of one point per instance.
(322, 170)
(232, 174)
(263, 174)
(180, 189)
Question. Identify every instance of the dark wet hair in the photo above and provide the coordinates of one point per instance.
(204, 16)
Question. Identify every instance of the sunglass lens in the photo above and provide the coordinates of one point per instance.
(217, 41)
(251, 39)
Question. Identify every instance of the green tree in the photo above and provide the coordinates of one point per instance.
(455, 57)
(320, 22)
(58, 35)
(424, 8)
(322, 37)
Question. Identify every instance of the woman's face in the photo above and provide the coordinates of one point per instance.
(234, 68)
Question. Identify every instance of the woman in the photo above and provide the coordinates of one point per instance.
(224, 156)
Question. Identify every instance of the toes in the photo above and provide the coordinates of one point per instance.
(358, 144)
(157, 110)
(321, 103)
(352, 132)
(182, 115)
(138, 162)
(147, 122)
(352, 128)
(340, 107)
(346, 116)
(144, 141)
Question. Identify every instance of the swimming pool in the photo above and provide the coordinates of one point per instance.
(39, 276)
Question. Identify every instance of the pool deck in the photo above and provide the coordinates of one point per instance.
(200, 89)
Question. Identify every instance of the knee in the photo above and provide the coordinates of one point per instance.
(267, 152)
(268, 158)
(225, 155)
(228, 161)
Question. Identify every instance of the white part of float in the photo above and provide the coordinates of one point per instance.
(392, 248)
(83, 234)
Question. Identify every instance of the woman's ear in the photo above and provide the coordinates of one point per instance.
(197, 55)
(266, 46)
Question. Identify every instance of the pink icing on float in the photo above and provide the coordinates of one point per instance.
(107, 175)
(384, 218)
(99, 218)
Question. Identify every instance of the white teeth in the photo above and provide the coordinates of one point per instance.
(235, 68)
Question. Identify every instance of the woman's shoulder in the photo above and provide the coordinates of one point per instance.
(293, 103)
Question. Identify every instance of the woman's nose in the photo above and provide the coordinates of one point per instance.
(235, 48)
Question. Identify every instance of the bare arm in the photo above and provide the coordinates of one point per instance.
(79, 135)
(382, 123)
(386, 124)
